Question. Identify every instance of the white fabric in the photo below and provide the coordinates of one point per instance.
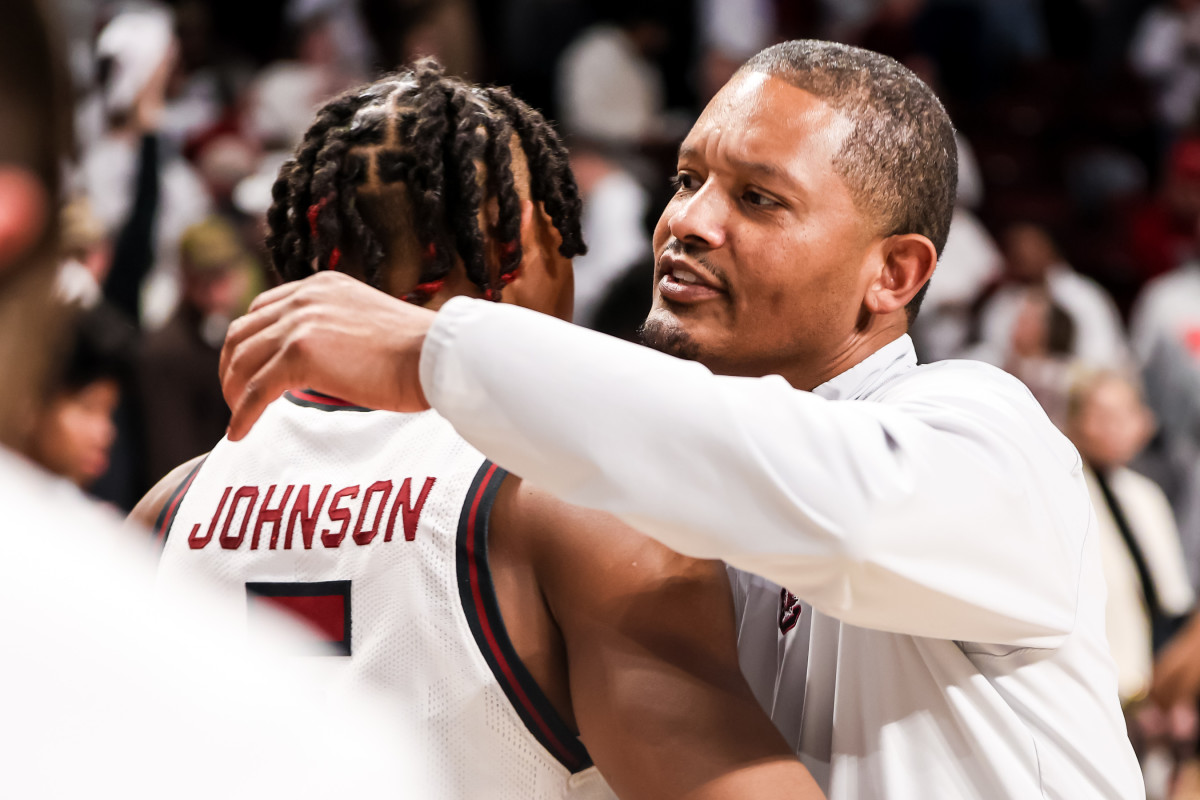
(606, 89)
(1099, 333)
(411, 641)
(1168, 308)
(109, 694)
(933, 517)
(1153, 526)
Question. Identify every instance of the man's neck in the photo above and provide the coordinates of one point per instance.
(857, 349)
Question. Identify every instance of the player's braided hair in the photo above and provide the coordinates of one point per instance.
(427, 131)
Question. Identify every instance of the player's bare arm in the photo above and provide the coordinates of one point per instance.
(643, 654)
(150, 507)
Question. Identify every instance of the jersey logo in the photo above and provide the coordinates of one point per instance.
(324, 606)
(789, 610)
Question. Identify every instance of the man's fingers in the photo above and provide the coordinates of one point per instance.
(243, 360)
(277, 293)
(260, 391)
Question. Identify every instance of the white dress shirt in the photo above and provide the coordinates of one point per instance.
(934, 524)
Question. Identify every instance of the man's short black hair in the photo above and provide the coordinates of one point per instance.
(900, 162)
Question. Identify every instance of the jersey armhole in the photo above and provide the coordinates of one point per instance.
(166, 517)
(478, 596)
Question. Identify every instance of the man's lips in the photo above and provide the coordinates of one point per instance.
(681, 281)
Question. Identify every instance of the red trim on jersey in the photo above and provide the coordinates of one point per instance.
(564, 752)
(324, 399)
(166, 517)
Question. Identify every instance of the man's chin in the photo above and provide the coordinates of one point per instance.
(663, 332)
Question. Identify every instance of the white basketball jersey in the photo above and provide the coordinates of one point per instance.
(372, 526)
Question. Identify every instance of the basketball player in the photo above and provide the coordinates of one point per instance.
(932, 519)
(503, 619)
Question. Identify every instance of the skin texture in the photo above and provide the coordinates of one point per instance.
(760, 215)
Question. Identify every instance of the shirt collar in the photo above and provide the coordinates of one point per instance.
(858, 381)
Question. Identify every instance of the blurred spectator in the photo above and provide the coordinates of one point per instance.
(1162, 233)
(1168, 309)
(1148, 585)
(1033, 263)
(968, 263)
(75, 430)
(730, 32)
(609, 89)
(614, 226)
(1149, 593)
(185, 413)
(410, 29)
(87, 255)
(1166, 52)
(1165, 329)
(137, 53)
(285, 94)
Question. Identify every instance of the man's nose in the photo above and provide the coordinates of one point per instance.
(701, 218)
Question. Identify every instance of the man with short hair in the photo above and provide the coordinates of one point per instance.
(948, 637)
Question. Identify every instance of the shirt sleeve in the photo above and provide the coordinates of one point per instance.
(952, 510)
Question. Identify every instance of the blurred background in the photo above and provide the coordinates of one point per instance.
(1072, 260)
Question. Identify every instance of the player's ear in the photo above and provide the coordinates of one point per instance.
(906, 262)
(545, 282)
(23, 214)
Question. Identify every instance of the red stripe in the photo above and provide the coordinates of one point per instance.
(175, 503)
(487, 628)
(321, 398)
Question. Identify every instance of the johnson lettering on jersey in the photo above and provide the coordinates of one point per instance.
(372, 528)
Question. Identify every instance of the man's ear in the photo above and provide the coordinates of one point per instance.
(907, 262)
(23, 214)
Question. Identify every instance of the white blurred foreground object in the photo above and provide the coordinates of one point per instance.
(106, 693)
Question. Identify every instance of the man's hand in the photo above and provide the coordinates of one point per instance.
(330, 333)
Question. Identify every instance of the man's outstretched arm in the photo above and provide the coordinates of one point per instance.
(952, 514)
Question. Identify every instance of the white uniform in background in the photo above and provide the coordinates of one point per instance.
(372, 526)
(1152, 526)
(933, 523)
(107, 693)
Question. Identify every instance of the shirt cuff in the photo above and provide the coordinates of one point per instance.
(437, 351)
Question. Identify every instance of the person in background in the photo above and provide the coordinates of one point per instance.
(1033, 264)
(609, 89)
(184, 412)
(137, 54)
(75, 431)
(1149, 593)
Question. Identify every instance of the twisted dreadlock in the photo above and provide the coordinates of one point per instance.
(426, 131)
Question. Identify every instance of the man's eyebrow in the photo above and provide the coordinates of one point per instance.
(750, 167)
